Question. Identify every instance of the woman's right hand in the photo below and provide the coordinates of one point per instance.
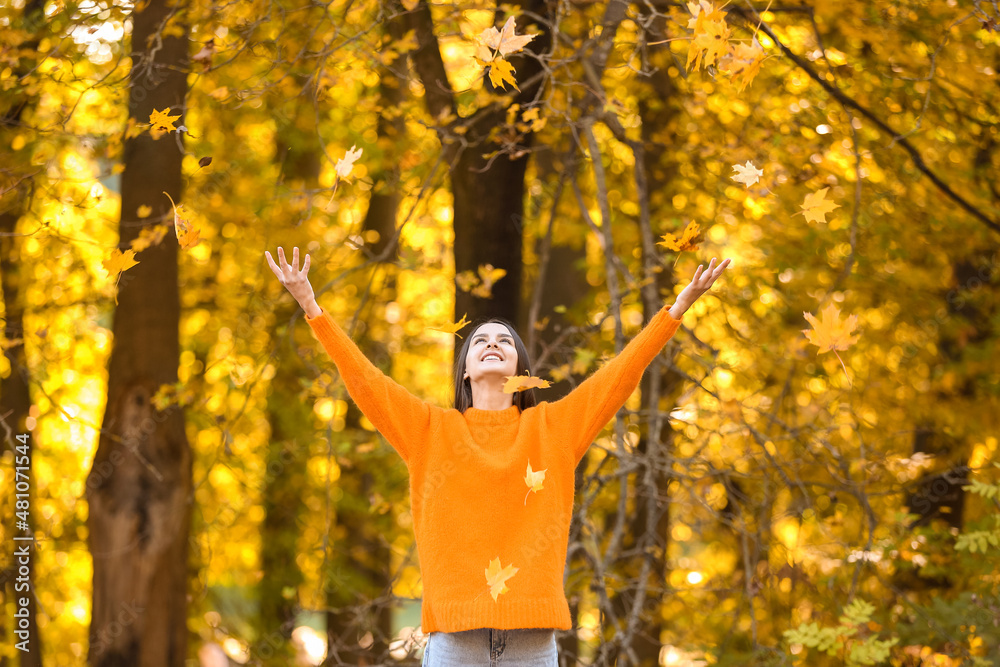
(295, 281)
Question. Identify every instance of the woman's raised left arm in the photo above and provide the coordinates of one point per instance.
(582, 413)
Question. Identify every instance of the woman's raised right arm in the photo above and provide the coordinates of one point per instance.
(400, 416)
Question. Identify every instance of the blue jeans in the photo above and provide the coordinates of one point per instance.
(492, 648)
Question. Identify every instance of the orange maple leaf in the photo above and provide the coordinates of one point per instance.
(816, 206)
(534, 479)
(453, 328)
(689, 239)
(501, 72)
(187, 233)
(162, 121)
(496, 577)
(517, 383)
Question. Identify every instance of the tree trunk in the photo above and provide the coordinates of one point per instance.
(365, 553)
(139, 488)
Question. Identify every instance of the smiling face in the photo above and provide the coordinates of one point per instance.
(491, 352)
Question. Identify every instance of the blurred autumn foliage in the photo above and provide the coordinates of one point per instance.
(758, 502)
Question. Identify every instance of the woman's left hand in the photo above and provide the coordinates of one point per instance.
(700, 284)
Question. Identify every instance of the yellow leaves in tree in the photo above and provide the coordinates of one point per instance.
(187, 233)
(162, 121)
(516, 383)
(496, 577)
(148, 237)
(534, 480)
(830, 333)
(453, 328)
(494, 45)
(689, 238)
(816, 206)
(710, 46)
(711, 36)
(747, 174)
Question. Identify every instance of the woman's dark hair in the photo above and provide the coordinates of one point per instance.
(463, 388)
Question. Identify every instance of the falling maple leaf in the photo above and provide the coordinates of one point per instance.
(162, 121)
(148, 237)
(516, 383)
(745, 63)
(747, 174)
(489, 276)
(534, 480)
(816, 206)
(187, 233)
(496, 577)
(454, 327)
(689, 240)
(117, 263)
(830, 333)
(346, 163)
(504, 41)
(500, 72)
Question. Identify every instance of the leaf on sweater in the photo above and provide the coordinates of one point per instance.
(517, 383)
(747, 174)
(816, 206)
(187, 233)
(534, 479)
(830, 332)
(496, 577)
(454, 327)
(689, 238)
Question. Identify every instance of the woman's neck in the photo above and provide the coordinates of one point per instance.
(488, 394)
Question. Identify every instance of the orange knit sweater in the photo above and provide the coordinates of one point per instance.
(467, 482)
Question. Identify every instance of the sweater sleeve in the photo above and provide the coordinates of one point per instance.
(580, 415)
(398, 415)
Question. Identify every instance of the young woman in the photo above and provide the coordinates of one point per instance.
(491, 480)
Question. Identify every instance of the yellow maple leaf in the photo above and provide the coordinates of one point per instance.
(747, 174)
(453, 328)
(501, 72)
(488, 275)
(504, 41)
(187, 233)
(149, 236)
(117, 263)
(516, 383)
(746, 62)
(816, 206)
(496, 577)
(534, 479)
(162, 120)
(830, 332)
(689, 239)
